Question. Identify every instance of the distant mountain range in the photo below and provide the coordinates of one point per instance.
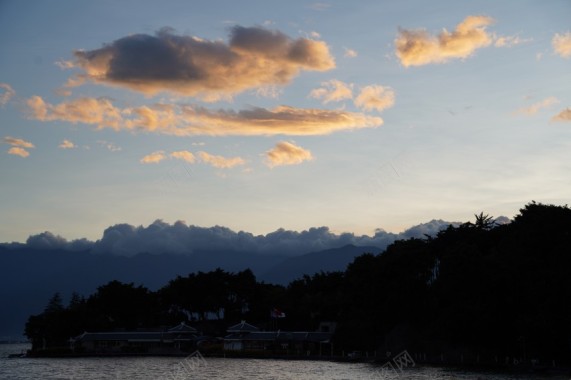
(32, 272)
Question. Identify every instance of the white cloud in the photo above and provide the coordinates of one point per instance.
(95, 111)
(109, 145)
(509, 41)
(66, 144)
(189, 120)
(18, 146)
(350, 53)
(17, 151)
(153, 158)
(375, 97)
(333, 91)
(562, 44)
(17, 142)
(536, 107)
(184, 155)
(418, 47)
(6, 93)
(221, 162)
(564, 115)
(286, 153)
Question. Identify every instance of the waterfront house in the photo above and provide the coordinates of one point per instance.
(178, 339)
(244, 337)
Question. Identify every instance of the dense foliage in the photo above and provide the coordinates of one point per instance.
(501, 290)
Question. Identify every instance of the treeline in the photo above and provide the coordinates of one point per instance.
(499, 290)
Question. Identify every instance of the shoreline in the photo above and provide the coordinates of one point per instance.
(482, 367)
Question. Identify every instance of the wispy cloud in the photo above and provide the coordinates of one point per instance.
(95, 111)
(109, 145)
(564, 116)
(319, 6)
(536, 107)
(333, 91)
(153, 158)
(17, 142)
(187, 120)
(66, 144)
(220, 162)
(17, 151)
(18, 146)
(211, 70)
(562, 44)
(509, 41)
(184, 155)
(6, 93)
(350, 53)
(375, 97)
(286, 153)
(418, 47)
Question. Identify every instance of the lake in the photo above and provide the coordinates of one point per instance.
(168, 368)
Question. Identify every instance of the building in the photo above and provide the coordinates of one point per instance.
(246, 338)
(176, 340)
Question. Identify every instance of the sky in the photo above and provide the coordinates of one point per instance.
(260, 115)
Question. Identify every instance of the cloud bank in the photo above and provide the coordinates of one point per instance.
(418, 47)
(188, 120)
(211, 70)
(179, 238)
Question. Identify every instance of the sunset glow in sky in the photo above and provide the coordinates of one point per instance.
(261, 115)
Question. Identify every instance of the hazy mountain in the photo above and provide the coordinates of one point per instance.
(329, 260)
(151, 256)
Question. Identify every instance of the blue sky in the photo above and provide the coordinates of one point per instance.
(261, 115)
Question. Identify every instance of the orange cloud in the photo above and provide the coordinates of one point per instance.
(332, 91)
(211, 70)
(96, 111)
(184, 155)
(7, 93)
(66, 144)
(17, 151)
(564, 115)
(418, 47)
(536, 107)
(220, 161)
(17, 142)
(187, 120)
(375, 97)
(285, 153)
(153, 158)
(562, 44)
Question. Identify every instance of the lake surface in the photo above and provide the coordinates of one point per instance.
(153, 368)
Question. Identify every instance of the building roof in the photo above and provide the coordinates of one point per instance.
(177, 333)
(298, 336)
(242, 327)
(183, 328)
